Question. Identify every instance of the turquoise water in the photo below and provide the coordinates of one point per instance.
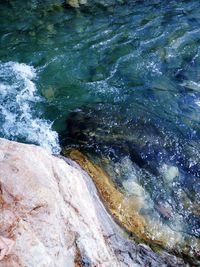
(137, 63)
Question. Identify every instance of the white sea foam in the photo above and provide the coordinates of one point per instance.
(197, 102)
(18, 95)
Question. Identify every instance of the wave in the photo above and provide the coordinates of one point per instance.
(18, 97)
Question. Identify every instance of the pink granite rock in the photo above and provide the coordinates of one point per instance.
(47, 208)
(50, 208)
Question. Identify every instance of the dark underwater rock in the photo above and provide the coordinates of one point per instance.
(149, 142)
(156, 155)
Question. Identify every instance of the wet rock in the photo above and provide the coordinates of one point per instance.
(149, 143)
(169, 172)
(191, 85)
(50, 208)
(94, 3)
(163, 162)
(126, 210)
(164, 210)
(113, 198)
(136, 194)
(76, 3)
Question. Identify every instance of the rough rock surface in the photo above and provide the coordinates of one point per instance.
(50, 207)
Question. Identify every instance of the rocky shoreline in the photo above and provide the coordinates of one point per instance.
(131, 164)
(51, 209)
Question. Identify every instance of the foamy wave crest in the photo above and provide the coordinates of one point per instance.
(18, 94)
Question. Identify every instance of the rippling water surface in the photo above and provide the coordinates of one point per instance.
(136, 65)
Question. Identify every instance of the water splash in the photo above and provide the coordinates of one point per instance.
(18, 95)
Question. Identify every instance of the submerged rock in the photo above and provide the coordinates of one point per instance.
(93, 3)
(169, 172)
(118, 205)
(149, 143)
(164, 209)
(141, 151)
(135, 193)
(50, 208)
(126, 210)
(191, 85)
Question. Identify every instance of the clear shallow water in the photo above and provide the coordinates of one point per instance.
(141, 61)
(145, 55)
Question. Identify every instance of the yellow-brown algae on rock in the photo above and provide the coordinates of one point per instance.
(125, 210)
(47, 208)
(50, 207)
